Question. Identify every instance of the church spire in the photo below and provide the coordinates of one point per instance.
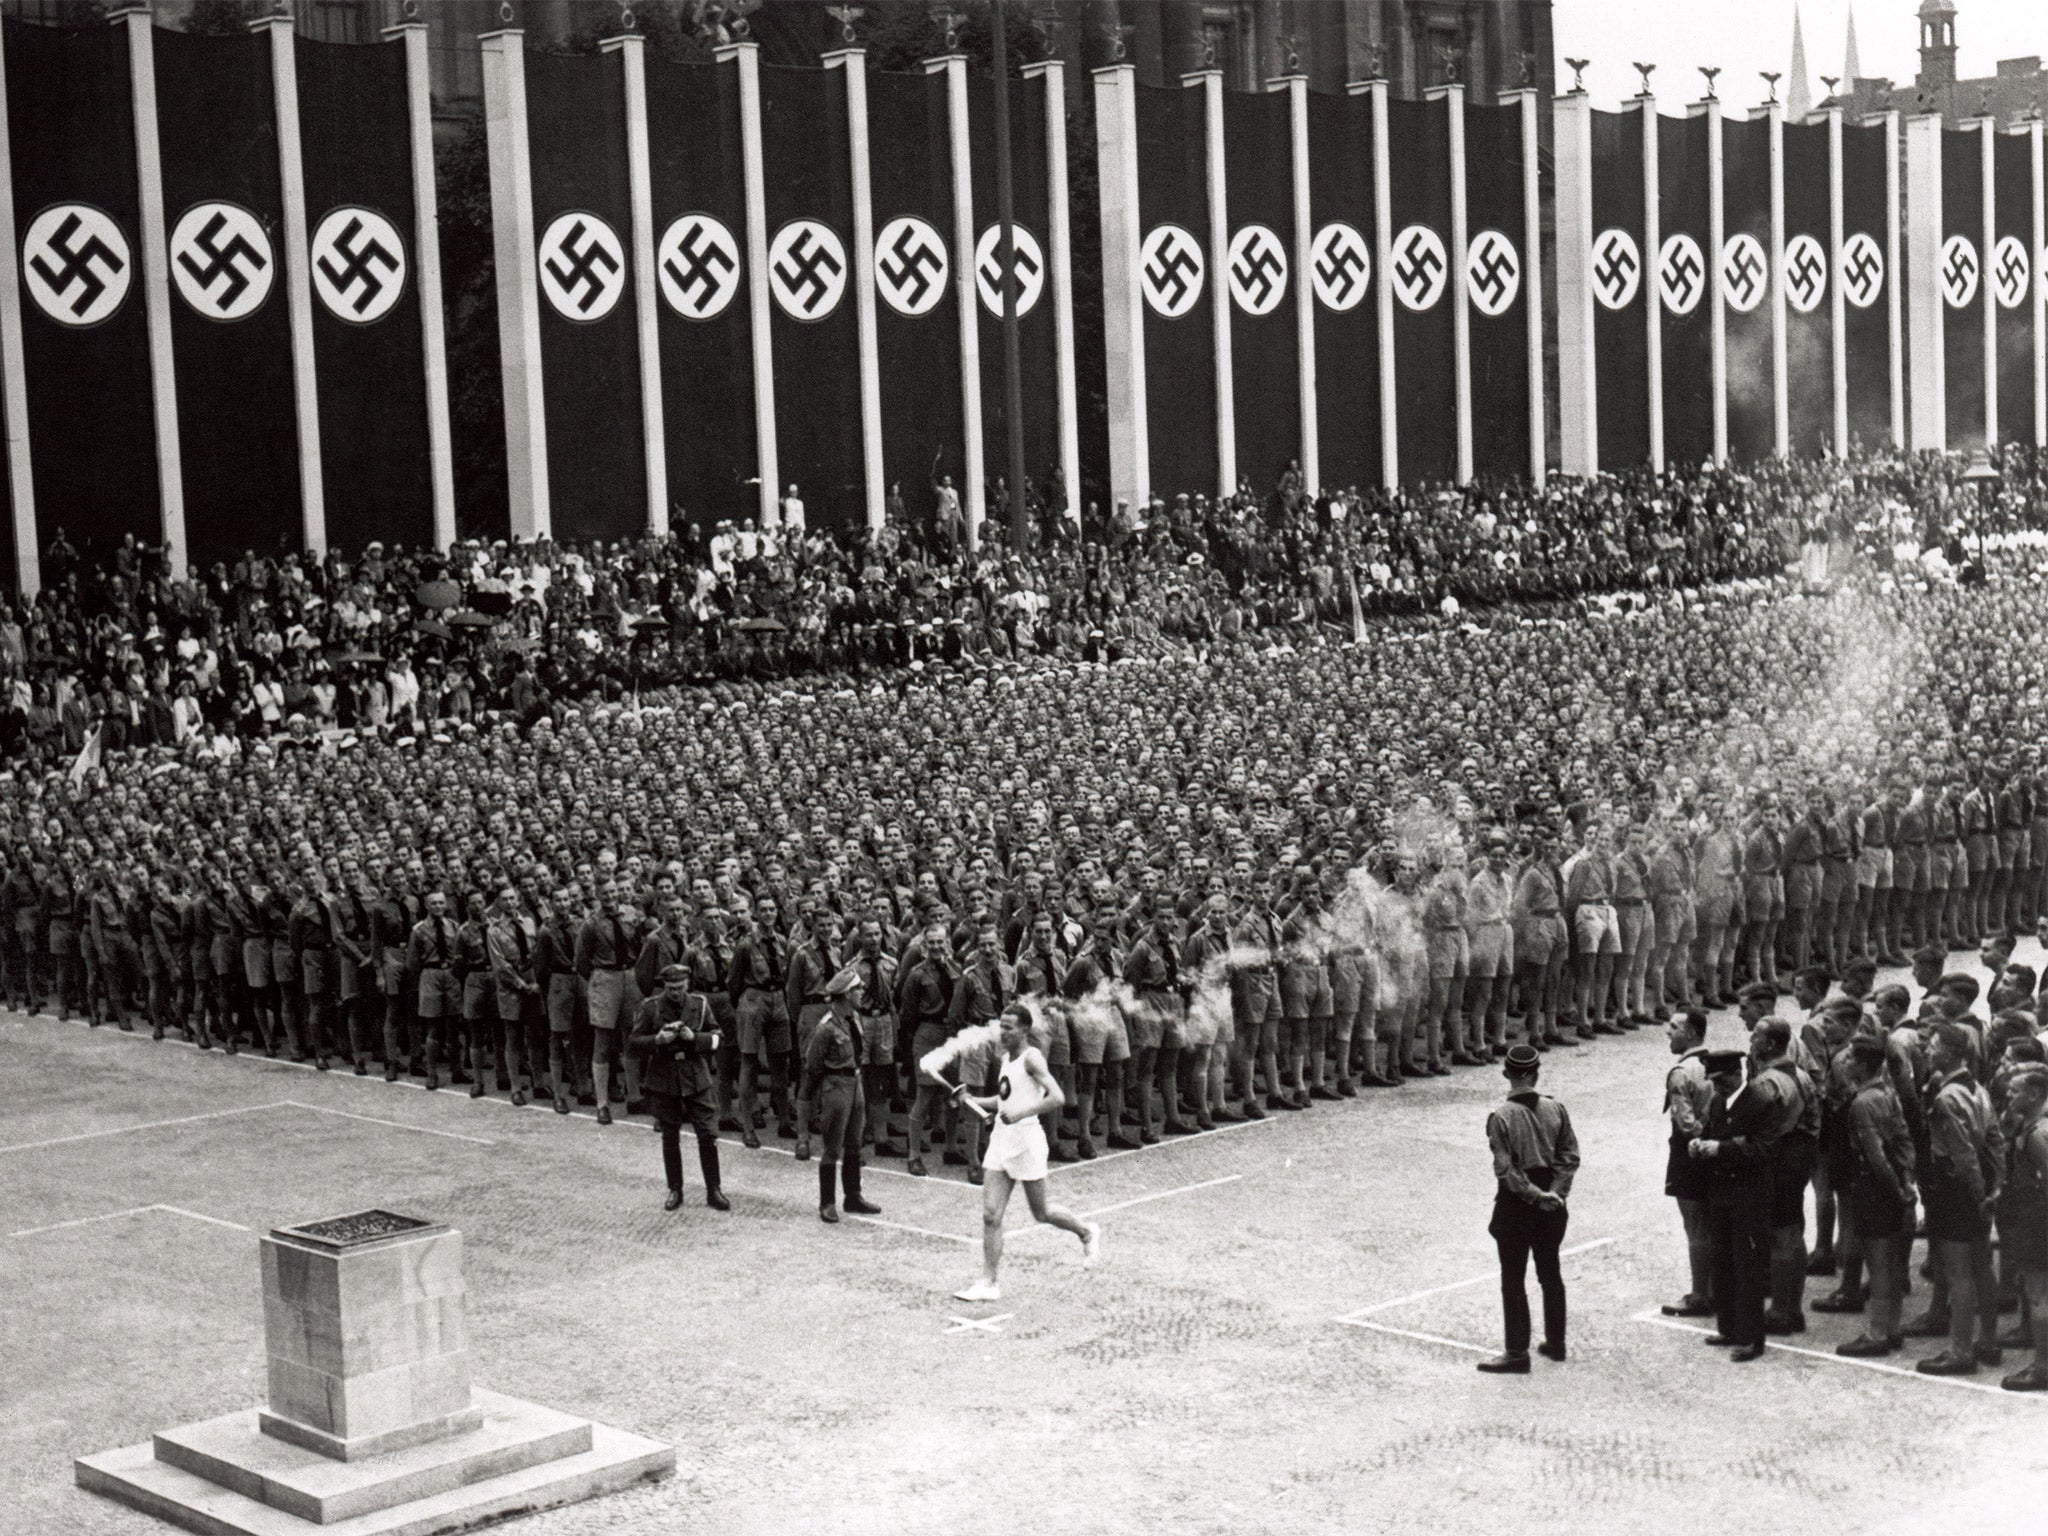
(1798, 98)
(1852, 67)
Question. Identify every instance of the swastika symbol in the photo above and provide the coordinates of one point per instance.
(1340, 266)
(1681, 274)
(220, 255)
(1258, 269)
(358, 264)
(1862, 275)
(807, 269)
(1743, 274)
(2009, 272)
(1617, 268)
(1958, 271)
(910, 265)
(1493, 272)
(582, 266)
(1419, 268)
(75, 260)
(1806, 273)
(1170, 264)
(698, 263)
(1027, 268)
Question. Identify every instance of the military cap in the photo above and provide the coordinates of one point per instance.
(671, 973)
(1522, 1058)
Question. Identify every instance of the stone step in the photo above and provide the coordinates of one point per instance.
(615, 1459)
(234, 1452)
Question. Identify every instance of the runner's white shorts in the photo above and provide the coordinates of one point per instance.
(1018, 1150)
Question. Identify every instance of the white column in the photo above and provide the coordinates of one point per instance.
(298, 279)
(426, 252)
(966, 294)
(1382, 290)
(1296, 87)
(632, 49)
(853, 64)
(1453, 98)
(156, 284)
(1987, 290)
(1210, 83)
(746, 58)
(1923, 281)
(518, 283)
(1837, 310)
(1781, 404)
(1894, 275)
(1059, 231)
(1578, 396)
(2039, 297)
(1532, 280)
(1717, 233)
(21, 483)
(1653, 286)
(1123, 299)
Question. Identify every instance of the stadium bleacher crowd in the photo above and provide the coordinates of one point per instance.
(1263, 801)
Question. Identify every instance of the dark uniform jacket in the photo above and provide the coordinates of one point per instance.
(682, 1068)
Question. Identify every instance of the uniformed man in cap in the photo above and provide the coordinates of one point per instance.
(676, 1039)
(1736, 1147)
(831, 1087)
(1535, 1155)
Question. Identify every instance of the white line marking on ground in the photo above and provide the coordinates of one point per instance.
(1834, 1359)
(1163, 1142)
(1459, 1285)
(1163, 1194)
(985, 1324)
(147, 1125)
(898, 1226)
(133, 1210)
(397, 1125)
(1410, 1333)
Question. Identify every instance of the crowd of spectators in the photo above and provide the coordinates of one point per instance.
(398, 642)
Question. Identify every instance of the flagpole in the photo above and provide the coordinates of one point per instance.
(1013, 363)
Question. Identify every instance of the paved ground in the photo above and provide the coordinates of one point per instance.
(820, 1378)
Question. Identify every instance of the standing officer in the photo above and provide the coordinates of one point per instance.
(832, 1089)
(1741, 1167)
(676, 1040)
(1535, 1155)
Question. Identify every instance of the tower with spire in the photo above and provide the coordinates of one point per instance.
(1798, 98)
(1852, 67)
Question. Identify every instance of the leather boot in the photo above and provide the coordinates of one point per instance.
(707, 1159)
(828, 1204)
(849, 1173)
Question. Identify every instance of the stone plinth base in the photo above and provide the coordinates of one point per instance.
(227, 1477)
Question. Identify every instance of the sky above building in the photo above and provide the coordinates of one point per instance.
(1744, 37)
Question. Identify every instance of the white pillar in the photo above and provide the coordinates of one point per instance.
(298, 279)
(632, 49)
(21, 483)
(746, 58)
(1453, 98)
(1987, 290)
(1717, 234)
(518, 283)
(1578, 395)
(156, 284)
(1123, 299)
(1781, 402)
(1894, 276)
(1210, 83)
(1382, 289)
(1296, 87)
(1837, 311)
(967, 294)
(1653, 282)
(2039, 297)
(1059, 230)
(1532, 279)
(426, 251)
(853, 64)
(1923, 281)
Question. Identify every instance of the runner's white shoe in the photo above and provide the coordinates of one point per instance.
(1091, 1245)
(981, 1290)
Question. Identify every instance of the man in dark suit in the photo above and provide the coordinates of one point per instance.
(1736, 1146)
(676, 1040)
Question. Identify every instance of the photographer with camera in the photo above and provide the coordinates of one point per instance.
(676, 1040)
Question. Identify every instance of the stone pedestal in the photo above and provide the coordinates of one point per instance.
(372, 1425)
